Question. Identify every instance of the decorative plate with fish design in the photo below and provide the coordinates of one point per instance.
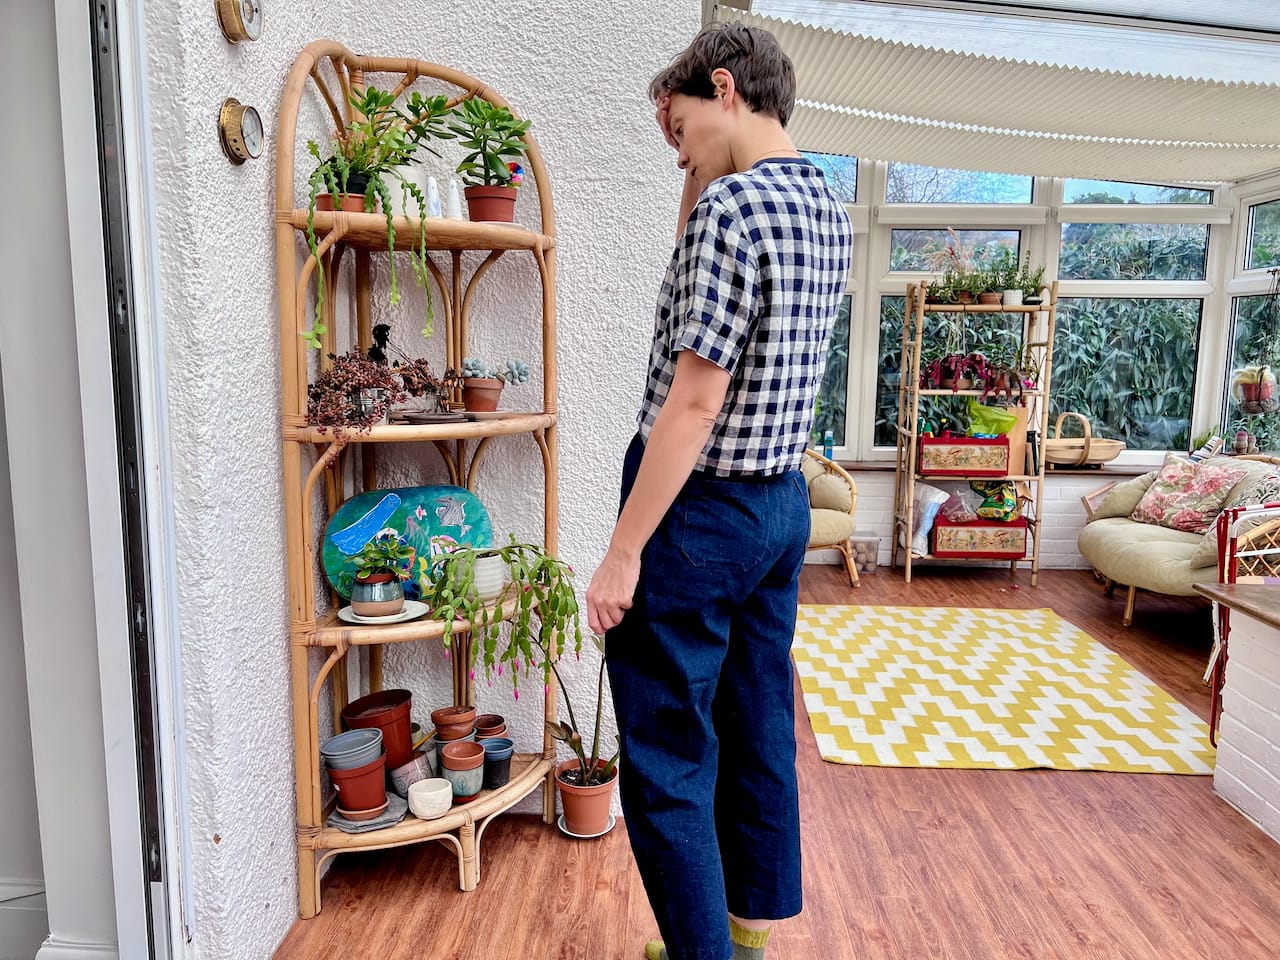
(432, 520)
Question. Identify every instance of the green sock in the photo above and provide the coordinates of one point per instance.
(654, 950)
(747, 944)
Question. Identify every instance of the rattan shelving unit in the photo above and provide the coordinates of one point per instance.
(318, 467)
(1037, 342)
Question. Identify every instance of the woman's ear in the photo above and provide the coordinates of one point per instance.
(722, 81)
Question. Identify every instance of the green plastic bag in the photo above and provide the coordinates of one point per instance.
(993, 420)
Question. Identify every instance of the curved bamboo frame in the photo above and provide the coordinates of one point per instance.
(338, 231)
(846, 551)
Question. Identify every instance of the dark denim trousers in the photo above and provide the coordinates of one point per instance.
(700, 670)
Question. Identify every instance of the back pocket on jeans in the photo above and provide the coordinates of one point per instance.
(722, 530)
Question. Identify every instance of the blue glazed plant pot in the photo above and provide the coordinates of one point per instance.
(379, 595)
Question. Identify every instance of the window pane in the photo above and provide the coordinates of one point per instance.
(1255, 341)
(828, 414)
(1129, 366)
(1133, 251)
(1264, 235)
(841, 173)
(996, 336)
(1118, 191)
(911, 248)
(910, 183)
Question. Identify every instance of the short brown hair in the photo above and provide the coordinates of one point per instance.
(762, 73)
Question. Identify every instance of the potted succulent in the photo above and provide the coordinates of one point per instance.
(381, 565)
(354, 392)
(368, 156)
(482, 384)
(545, 617)
(585, 781)
(494, 139)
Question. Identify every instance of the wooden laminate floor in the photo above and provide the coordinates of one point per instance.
(899, 863)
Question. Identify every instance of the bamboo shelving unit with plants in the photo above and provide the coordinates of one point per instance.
(317, 464)
(1036, 350)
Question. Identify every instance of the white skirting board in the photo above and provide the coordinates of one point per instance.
(24, 925)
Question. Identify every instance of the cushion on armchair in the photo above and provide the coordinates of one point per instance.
(1260, 485)
(828, 527)
(830, 492)
(1123, 497)
(1188, 496)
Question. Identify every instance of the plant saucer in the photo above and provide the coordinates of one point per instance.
(584, 836)
(413, 609)
(357, 816)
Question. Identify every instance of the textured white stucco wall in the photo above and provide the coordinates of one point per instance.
(581, 76)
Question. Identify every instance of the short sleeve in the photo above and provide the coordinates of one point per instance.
(717, 286)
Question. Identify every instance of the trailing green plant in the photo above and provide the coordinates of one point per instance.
(385, 553)
(382, 138)
(415, 375)
(546, 617)
(492, 136)
(590, 772)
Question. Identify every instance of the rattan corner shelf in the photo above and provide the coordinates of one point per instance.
(319, 467)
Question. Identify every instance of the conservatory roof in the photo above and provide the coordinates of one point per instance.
(1008, 104)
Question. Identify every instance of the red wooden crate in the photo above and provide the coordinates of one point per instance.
(980, 539)
(964, 456)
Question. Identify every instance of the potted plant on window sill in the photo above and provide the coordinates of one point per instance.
(482, 384)
(494, 139)
(381, 565)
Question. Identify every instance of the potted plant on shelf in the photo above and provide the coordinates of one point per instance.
(1007, 277)
(1254, 389)
(545, 618)
(962, 267)
(414, 374)
(585, 781)
(354, 392)
(482, 384)
(381, 565)
(1031, 281)
(367, 155)
(495, 141)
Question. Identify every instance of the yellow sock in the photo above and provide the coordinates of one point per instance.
(655, 950)
(747, 944)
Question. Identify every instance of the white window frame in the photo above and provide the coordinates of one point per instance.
(1040, 223)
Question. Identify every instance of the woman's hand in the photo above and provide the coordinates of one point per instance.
(613, 587)
(664, 120)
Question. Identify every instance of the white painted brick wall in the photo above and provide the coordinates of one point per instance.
(1063, 516)
(1248, 769)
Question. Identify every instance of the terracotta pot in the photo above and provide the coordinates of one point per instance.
(489, 721)
(1255, 392)
(362, 788)
(453, 722)
(388, 710)
(492, 733)
(964, 296)
(480, 394)
(951, 383)
(463, 765)
(377, 595)
(351, 202)
(493, 204)
(586, 809)
(990, 297)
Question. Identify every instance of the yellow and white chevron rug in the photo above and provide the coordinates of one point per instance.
(996, 689)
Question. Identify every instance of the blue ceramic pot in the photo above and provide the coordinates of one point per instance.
(380, 596)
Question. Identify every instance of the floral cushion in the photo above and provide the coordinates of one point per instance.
(1187, 496)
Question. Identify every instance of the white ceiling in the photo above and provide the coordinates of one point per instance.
(1022, 95)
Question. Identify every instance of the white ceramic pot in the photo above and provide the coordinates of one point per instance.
(429, 799)
(491, 577)
(1012, 298)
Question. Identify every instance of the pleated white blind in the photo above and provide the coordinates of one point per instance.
(898, 101)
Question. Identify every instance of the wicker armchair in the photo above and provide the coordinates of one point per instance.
(833, 496)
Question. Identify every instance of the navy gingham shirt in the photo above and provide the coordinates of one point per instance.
(754, 286)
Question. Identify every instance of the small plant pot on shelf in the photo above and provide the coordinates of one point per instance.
(355, 748)
(952, 383)
(1011, 298)
(463, 765)
(350, 203)
(497, 762)
(490, 578)
(361, 788)
(586, 809)
(430, 799)
(453, 723)
(989, 297)
(377, 595)
(480, 394)
(388, 710)
(491, 204)
(406, 775)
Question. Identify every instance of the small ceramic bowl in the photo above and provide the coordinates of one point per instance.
(403, 777)
(429, 799)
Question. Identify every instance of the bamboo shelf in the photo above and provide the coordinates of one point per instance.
(1037, 346)
(320, 469)
(368, 231)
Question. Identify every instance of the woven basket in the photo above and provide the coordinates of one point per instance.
(1079, 451)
